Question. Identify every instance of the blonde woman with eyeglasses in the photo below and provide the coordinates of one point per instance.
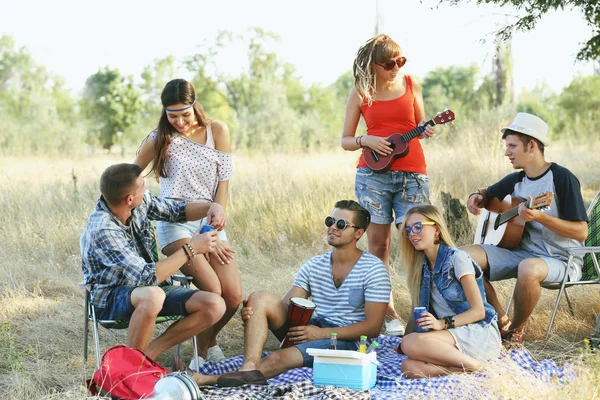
(390, 101)
(459, 330)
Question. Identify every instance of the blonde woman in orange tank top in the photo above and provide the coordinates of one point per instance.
(390, 102)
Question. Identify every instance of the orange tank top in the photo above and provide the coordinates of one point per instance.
(386, 117)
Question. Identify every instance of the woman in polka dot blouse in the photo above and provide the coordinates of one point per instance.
(191, 156)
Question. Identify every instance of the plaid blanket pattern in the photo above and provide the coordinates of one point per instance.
(297, 383)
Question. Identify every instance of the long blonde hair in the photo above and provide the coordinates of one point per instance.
(378, 50)
(412, 259)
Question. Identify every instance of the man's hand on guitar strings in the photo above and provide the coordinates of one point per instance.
(474, 199)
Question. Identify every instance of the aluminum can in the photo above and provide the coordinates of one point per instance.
(416, 315)
(206, 228)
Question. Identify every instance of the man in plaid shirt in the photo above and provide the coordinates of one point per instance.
(117, 261)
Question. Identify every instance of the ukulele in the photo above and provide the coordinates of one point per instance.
(399, 143)
(499, 223)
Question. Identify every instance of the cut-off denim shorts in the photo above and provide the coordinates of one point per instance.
(390, 194)
(169, 232)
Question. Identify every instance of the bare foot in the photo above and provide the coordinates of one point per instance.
(205, 380)
(504, 325)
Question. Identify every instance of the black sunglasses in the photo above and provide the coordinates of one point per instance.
(389, 64)
(341, 224)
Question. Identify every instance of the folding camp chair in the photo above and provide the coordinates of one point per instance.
(90, 314)
(591, 256)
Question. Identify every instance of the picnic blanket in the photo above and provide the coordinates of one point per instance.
(297, 383)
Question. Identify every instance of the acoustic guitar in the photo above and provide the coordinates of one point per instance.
(399, 143)
(499, 223)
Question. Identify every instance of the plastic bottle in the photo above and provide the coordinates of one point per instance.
(362, 347)
(333, 338)
(372, 347)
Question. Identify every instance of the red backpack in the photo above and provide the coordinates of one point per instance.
(126, 374)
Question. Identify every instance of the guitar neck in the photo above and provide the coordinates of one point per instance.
(507, 216)
(416, 132)
(510, 214)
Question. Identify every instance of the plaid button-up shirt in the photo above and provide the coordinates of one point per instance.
(113, 254)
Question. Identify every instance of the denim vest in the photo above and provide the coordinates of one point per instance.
(450, 287)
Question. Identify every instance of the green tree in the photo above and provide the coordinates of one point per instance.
(543, 102)
(533, 10)
(580, 101)
(111, 103)
(270, 106)
(453, 88)
(154, 78)
(37, 112)
(342, 86)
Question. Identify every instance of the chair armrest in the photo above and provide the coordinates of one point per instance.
(582, 250)
(85, 286)
(182, 279)
(575, 250)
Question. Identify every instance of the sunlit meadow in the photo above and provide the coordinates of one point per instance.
(276, 208)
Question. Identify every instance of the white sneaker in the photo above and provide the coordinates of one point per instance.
(196, 363)
(215, 354)
(394, 328)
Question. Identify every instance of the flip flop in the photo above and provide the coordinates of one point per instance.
(240, 378)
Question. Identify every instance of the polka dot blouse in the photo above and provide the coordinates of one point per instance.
(194, 170)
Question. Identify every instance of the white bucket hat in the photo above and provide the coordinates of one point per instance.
(530, 125)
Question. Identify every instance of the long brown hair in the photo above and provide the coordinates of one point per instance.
(378, 50)
(412, 259)
(177, 91)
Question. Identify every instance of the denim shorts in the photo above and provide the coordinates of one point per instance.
(120, 307)
(392, 191)
(315, 344)
(169, 232)
(504, 263)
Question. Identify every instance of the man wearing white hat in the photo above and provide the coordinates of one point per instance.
(534, 261)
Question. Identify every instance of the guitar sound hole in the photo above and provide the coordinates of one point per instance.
(392, 146)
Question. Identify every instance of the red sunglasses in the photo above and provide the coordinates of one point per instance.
(389, 64)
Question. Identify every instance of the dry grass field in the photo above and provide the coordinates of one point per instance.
(276, 208)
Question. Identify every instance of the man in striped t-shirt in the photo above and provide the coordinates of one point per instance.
(350, 288)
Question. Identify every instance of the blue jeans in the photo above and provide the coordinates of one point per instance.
(392, 191)
(120, 306)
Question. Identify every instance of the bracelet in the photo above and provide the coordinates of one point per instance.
(358, 141)
(479, 193)
(191, 249)
(187, 252)
(449, 322)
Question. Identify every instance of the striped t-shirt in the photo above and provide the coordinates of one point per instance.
(368, 281)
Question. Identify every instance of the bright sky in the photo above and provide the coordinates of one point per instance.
(74, 38)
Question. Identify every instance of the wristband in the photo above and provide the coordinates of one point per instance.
(449, 322)
(479, 193)
(358, 141)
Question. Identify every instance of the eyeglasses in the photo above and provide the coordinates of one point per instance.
(389, 64)
(341, 224)
(416, 228)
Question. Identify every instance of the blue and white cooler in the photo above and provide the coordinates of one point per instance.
(344, 368)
